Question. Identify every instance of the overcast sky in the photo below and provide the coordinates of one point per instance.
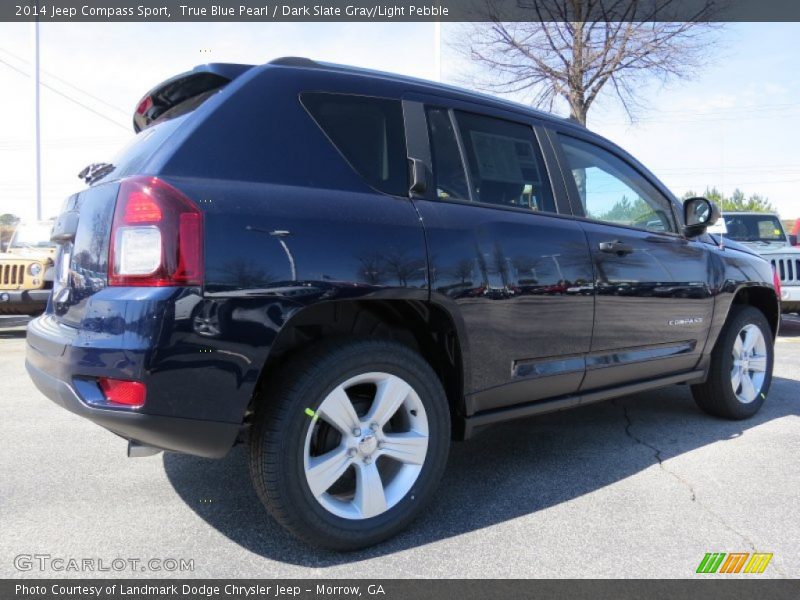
(736, 125)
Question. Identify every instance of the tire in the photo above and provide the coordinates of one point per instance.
(294, 443)
(720, 395)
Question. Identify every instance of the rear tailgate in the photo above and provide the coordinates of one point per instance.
(83, 230)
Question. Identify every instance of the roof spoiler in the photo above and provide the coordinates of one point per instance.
(198, 82)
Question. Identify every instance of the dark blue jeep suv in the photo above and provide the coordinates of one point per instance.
(348, 269)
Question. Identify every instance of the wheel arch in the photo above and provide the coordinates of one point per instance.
(428, 328)
(764, 299)
(759, 296)
(717, 393)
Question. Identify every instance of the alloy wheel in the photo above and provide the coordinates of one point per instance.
(365, 446)
(749, 363)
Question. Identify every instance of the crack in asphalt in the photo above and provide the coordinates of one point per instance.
(656, 453)
(685, 482)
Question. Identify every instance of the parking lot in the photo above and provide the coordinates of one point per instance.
(642, 486)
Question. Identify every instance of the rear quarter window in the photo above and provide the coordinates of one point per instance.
(368, 132)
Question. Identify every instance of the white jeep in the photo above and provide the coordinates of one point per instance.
(764, 233)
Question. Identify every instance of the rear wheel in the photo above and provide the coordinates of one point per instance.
(350, 442)
(741, 367)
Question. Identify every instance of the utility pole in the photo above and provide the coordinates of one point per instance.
(37, 129)
(437, 50)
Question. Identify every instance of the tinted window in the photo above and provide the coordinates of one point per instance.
(451, 179)
(176, 98)
(368, 132)
(505, 165)
(610, 190)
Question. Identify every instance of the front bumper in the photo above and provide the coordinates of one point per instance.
(48, 361)
(790, 298)
(23, 301)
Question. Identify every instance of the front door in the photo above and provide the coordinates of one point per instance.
(654, 305)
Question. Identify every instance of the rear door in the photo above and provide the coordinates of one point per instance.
(82, 259)
(518, 273)
(654, 303)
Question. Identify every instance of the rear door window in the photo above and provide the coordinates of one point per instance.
(368, 132)
(504, 163)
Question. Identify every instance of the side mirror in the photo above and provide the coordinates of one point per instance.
(418, 175)
(698, 214)
(793, 239)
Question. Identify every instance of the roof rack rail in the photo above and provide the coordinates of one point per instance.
(303, 62)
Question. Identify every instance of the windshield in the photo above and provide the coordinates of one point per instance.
(32, 235)
(754, 228)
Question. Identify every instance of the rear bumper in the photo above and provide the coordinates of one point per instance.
(48, 362)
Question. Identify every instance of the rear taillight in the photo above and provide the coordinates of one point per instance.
(156, 236)
(776, 281)
(125, 393)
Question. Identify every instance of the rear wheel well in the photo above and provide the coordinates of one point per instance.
(763, 299)
(423, 327)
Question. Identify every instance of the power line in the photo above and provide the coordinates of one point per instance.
(773, 168)
(671, 121)
(70, 98)
(67, 83)
(740, 113)
(714, 111)
(60, 144)
(697, 183)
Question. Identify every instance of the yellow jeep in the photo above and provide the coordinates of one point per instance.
(26, 269)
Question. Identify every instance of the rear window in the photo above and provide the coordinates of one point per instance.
(368, 133)
(175, 97)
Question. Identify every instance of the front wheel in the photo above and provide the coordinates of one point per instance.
(350, 441)
(741, 367)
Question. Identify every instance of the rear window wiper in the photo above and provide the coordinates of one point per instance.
(95, 171)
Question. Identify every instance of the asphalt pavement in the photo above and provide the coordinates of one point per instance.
(641, 486)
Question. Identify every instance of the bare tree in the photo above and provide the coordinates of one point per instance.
(242, 274)
(574, 49)
(372, 268)
(463, 270)
(405, 269)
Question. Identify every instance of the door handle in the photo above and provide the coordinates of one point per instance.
(616, 247)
